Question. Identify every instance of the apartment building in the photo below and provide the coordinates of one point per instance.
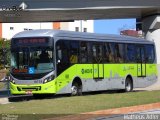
(8, 30)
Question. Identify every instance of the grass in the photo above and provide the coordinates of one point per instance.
(74, 105)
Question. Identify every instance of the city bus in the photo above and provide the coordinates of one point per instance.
(65, 62)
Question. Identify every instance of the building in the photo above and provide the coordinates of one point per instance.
(8, 30)
(132, 33)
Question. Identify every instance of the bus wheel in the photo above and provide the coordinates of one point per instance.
(128, 85)
(76, 89)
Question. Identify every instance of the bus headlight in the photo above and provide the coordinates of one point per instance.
(12, 80)
(48, 79)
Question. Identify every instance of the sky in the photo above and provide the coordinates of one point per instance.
(113, 26)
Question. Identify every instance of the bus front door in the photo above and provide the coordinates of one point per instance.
(141, 64)
(98, 66)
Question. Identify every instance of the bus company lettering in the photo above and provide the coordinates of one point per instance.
(128, 68)
(86, 71)
(67, 76)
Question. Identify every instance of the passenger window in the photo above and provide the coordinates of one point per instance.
(119, 53)
(83, 52)
(62, 49)
(97, 52)
(106, 52)
(74, 52)
(130, 53)
(150, 56)
(109, 53)
(140, 54)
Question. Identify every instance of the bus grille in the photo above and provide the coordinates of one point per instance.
(36, 88)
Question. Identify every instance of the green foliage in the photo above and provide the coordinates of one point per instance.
(4, 53)
(5, 44)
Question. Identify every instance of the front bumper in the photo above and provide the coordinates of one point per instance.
(47, 88)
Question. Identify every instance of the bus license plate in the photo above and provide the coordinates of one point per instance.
(29, 92)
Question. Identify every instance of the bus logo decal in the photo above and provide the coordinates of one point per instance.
(31, 70)
(82, 71)
(86, 71)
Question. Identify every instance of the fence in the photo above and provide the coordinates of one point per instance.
(4, 84)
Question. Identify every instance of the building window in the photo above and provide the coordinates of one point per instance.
(25, 28)
(77, 29)
(11, 28)
(84, 29)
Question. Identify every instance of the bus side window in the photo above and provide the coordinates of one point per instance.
(74, 45)
(97, 52)
(130, 53)
(150, 56)
(83, 52)
(138, 53)
(119, 54)
(106, 51)
(111, 55)
(62, 49)
(89, 52)
(59, 54)
(94, 54)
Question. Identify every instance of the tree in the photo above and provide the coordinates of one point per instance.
(4, 53)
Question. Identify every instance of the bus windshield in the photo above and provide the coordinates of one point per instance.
(31, 60)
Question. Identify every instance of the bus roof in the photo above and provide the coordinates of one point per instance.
(71, 34)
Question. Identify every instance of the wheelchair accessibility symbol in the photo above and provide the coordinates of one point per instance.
(31, 70)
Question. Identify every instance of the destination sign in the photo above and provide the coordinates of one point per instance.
(19, 70)
(30, 41)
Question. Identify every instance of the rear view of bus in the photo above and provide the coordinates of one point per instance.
(32, 64)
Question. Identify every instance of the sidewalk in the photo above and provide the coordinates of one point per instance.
(4, 100)
(109, 112)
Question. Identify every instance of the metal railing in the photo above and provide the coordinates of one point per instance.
(5, 92)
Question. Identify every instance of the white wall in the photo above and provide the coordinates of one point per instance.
(64, 25)
(18, 27)
(81, 24)
(89, 24)
(46, 25)
(8, 33)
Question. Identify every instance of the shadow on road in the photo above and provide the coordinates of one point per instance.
(20, 98)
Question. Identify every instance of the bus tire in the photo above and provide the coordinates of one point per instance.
(128, 85)
(76, 89)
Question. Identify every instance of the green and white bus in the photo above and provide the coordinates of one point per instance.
(58, 62)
